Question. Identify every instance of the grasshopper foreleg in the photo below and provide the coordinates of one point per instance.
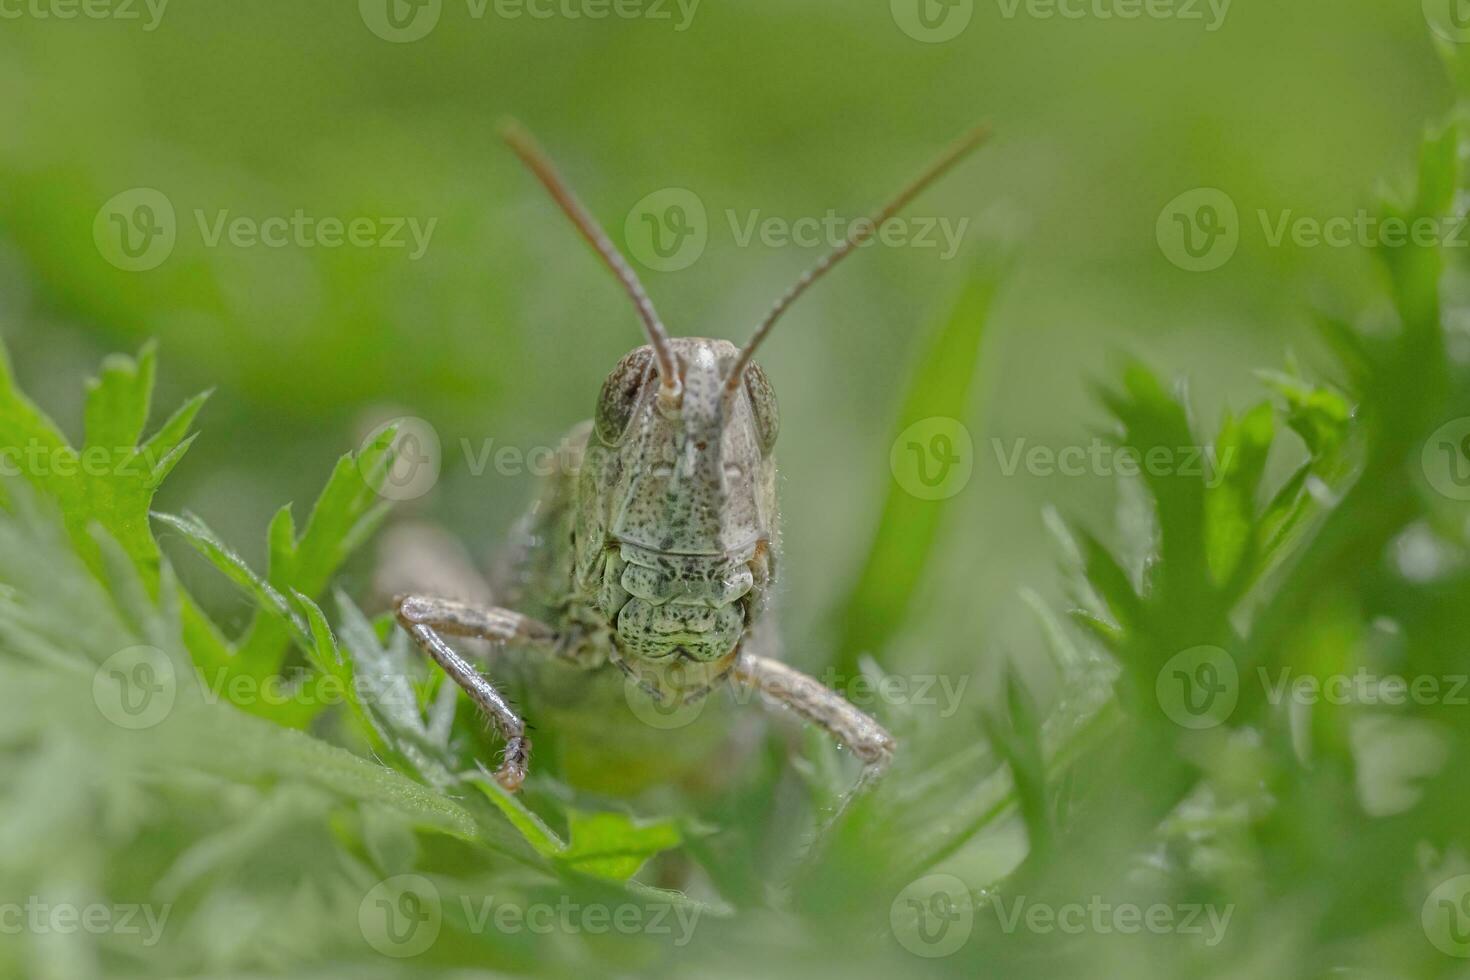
(429, 620)
(820, 705)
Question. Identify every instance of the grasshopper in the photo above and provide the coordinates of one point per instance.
(649, 562)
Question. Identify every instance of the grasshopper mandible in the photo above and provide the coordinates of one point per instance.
(651, 557)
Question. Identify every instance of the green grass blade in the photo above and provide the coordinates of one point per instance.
(907, 528)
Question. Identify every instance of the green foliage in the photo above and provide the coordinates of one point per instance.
(112, 478)
(312, 758)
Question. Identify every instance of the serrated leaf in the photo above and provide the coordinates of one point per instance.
(1230, 503)
(111, 482)
(605, 844)
(267, 600)
(348, 511)
(118, 401)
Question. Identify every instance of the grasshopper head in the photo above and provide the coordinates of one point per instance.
(692, 472)
(682, 497)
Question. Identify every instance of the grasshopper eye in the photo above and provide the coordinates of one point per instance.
(763, 404)
(620, 395)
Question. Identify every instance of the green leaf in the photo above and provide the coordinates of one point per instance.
(346, 514)
(267, 599)
(877, 603)
(112, 480)
(605, 844)
(1230, 502)
(1015, 731)
(118, 401)
(1110, 582)
(1156, 426)
(614, 845)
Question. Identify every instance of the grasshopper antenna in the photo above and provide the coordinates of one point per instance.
(535, 158)
(861, 232)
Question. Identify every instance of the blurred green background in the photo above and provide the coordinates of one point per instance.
(505, 327)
